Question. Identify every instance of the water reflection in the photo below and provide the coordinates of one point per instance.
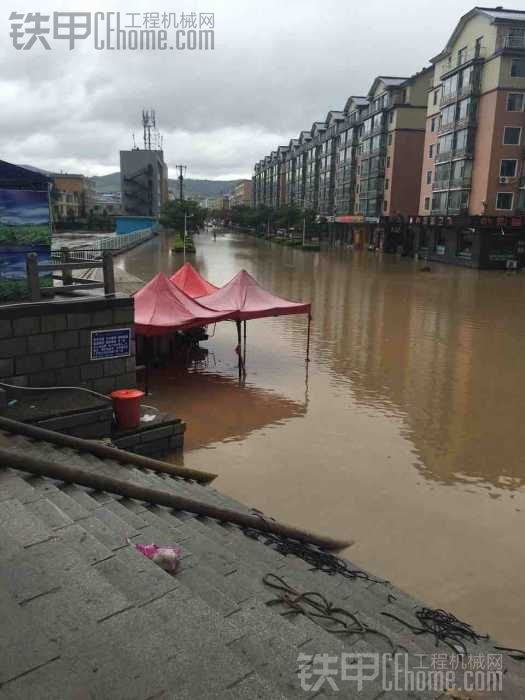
(440, 349)
(215, 406)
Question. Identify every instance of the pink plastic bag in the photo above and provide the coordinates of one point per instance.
(166, 557)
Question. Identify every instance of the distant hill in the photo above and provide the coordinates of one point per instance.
(192, 188)
(200, 189)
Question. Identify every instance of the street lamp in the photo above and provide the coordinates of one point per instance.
(186, 217)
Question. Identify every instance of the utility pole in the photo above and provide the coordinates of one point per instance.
(181, 169)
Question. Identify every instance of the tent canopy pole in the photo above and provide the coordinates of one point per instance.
(308, 338)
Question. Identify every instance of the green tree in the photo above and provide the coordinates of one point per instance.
(172, 215)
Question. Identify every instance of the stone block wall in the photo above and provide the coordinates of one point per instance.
(49, 343)
(164, 435)
(94, 424)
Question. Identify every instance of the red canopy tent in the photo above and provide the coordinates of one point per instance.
(160, 308)
(191, 282)
(249, 300)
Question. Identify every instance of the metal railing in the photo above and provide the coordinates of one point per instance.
(463, 91)
(514, 41)
(469, 120)
(454, 183)
(76, 255)
(124, 240)
(443, 156)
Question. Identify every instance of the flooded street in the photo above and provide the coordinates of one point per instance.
(406, 434)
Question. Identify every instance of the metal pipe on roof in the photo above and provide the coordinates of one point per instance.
(100, 482)
(104, 451)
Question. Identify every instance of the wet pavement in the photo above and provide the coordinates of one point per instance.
(405, 431)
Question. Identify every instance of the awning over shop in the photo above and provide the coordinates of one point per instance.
(160, 308)
(249, 300)
(191, 282)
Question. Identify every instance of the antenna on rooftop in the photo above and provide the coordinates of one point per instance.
(152, 136)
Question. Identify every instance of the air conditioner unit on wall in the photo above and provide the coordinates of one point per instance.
(504, 180)
(511, 264)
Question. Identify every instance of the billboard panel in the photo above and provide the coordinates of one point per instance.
(24, 228)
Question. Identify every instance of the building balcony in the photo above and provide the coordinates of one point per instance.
(449, 126)
(445, 156)
(469, 121)
(512, 41)
(470, 57)
(459, 183)
(464, 91)
(379, 129)
(449, 211)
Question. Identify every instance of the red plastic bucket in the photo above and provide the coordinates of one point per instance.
(126, 407)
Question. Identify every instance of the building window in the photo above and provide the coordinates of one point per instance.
(477, 50)
(504, 200)
(431, 151)
(511, 135)
(433, 124)
(427, 203)
(517, 68)
(462, 55)
(389, 139)
(515, 101)
(390, 117)
(385, 205)
(388, 161)
(435, 97)
(508, 168)
(429, 177)
(386, 183)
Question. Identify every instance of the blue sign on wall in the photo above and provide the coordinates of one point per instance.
(107, 344)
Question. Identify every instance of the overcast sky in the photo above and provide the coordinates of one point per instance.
(278, 65)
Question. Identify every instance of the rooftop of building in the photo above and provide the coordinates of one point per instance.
(85, 615)
(496, 14)
(502, 13)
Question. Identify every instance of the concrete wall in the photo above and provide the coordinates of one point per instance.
(49, 343)
(406, 161)
(128, 224)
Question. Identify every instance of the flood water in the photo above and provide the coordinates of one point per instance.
(406, 435)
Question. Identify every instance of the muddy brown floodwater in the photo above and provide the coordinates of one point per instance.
(407, 434)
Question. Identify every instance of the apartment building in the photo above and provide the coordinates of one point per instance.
(242, 194)
(472, 186)
(73, 197)
(391, 138)
(346, 159)
(432, 163)
(291, 172)
(327, 163)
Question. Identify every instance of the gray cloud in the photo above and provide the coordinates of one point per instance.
(276, 68)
